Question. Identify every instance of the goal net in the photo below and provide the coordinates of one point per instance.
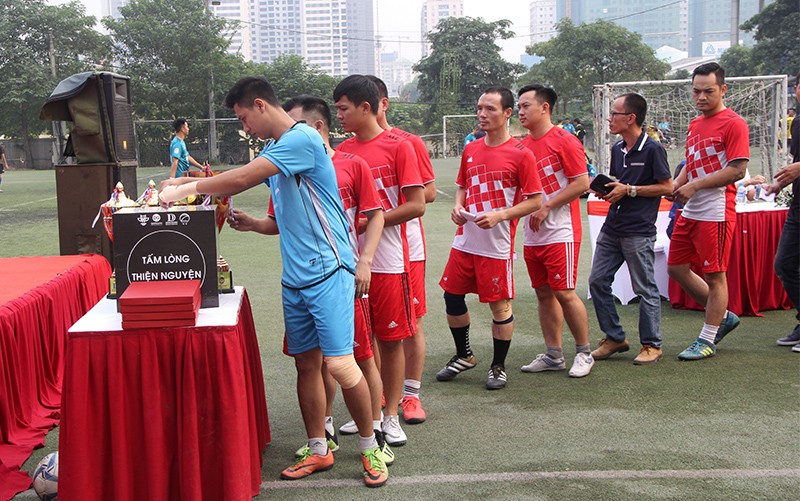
(760, 100)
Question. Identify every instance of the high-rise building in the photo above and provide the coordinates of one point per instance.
(361, 44)
(434, 11)
(324, 35)
(544, 16)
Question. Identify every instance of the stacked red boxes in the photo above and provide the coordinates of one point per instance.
(169, 303)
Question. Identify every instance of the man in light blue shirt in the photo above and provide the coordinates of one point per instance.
(318, 266)
(179, 155)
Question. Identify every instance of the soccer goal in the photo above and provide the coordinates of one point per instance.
(760, 100)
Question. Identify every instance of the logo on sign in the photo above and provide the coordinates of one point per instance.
(185, 218)
(156, 218)
(143, 219)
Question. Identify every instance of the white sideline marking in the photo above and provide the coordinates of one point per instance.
(538, 475)
(443, 193)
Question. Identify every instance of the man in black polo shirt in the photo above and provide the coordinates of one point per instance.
(787, 259)
(629, 233)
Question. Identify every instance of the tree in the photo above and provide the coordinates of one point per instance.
(739, 62)
(291, 75)
(26, 31)
(464, 60)
(776, 50)
(588, 54)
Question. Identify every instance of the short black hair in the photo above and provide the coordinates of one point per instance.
(247, 90)
(636, 104)
(310, 104)
(708, 69)
(358, 89)
(506, 96)
(178, 124)
(382, 90)
(543, 94)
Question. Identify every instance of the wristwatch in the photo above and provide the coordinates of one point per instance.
(633, 191)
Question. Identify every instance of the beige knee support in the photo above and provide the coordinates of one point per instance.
(344, 370)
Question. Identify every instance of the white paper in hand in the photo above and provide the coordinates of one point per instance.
(467, 215)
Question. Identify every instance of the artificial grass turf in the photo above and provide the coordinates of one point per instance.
(734, 411)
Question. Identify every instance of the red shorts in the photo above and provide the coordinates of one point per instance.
(391, 306)
(362, 342)
(491, 279)
(417, 276)
(705, 244)
(555, 265)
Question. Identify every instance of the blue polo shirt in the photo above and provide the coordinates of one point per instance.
(644, 165)
(314, 240)
(177, 149)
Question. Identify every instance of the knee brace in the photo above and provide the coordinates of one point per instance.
(344, 370)
(455, 304)
(503, 322)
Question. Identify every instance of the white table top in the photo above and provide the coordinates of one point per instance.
(103, 317)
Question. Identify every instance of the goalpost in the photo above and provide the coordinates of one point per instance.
(760, 100)
(464, 128)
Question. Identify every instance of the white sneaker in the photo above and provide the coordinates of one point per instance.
(349, 428)
(582, 365)
(392, 432)
(796, 348)
(544, 363)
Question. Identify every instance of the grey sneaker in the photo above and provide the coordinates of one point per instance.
(792, 339)
(582, 365)
(456, 366)
(392, 432)
(796, 348)
(496, 379)
(544, 363)
(349, 428)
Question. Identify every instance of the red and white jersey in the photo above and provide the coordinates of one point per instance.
(559, 158)
(711, 144)
(414, 230)
(357, 191)
(495, 178)
(393, 166)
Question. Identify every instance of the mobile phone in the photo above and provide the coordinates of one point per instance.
(599, 184)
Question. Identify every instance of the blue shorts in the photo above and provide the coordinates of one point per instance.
(321, 316)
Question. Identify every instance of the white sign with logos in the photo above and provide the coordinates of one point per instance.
(716, 48)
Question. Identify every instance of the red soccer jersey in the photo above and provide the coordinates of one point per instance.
(414, 230)
(356, 189)
(394, 167)
(494, 178)
(559, 158)
(711, 144)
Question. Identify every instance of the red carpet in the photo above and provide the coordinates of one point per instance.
(40, 300)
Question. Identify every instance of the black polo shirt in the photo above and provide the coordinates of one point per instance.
(644, 165)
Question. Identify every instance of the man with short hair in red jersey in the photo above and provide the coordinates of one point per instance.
(497, 184)
(717, 153)
(394, 170)
(413, 347)
(552, 234)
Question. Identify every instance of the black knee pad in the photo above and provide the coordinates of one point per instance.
(503, 322)
(455, 304)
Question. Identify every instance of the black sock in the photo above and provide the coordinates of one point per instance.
(461, 337)
(500, 351)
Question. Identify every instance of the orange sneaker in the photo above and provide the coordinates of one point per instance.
(307, 464)
(375, 472)
(413, 413)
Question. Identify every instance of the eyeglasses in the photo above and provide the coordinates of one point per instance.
(620, 113)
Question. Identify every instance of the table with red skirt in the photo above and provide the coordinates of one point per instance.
(163, 413)
(40, 299)
(752, 284)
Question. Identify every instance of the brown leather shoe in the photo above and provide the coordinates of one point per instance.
(648, 355)
(608, 347)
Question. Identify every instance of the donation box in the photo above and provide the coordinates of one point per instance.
(180, 243)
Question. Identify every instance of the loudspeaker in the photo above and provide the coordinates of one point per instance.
(99, 106)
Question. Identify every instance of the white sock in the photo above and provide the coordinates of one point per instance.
(318, 446)
(411, 388)
(709, 332)
(329, 424)
(367, 443)
(377, 425)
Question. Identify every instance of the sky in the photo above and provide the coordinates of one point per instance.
(399, 23)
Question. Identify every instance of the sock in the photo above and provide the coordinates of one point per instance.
(377, 425)
(318, 446)
(555, 352)
(709, 332)
(583, 348)
(411, 388)
(500, 351)
(725, 315)
(461, 337)
(367, 443)
(329, 424)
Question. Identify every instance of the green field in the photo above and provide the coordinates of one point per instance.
(722, 428)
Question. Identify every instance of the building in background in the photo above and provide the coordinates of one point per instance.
(395, 72)
(434, 11)
(544, 16)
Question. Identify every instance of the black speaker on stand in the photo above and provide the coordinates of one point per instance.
(100, 151)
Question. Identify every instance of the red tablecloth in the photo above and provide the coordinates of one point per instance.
(41, 298)
(163, 414)
(752, 283)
